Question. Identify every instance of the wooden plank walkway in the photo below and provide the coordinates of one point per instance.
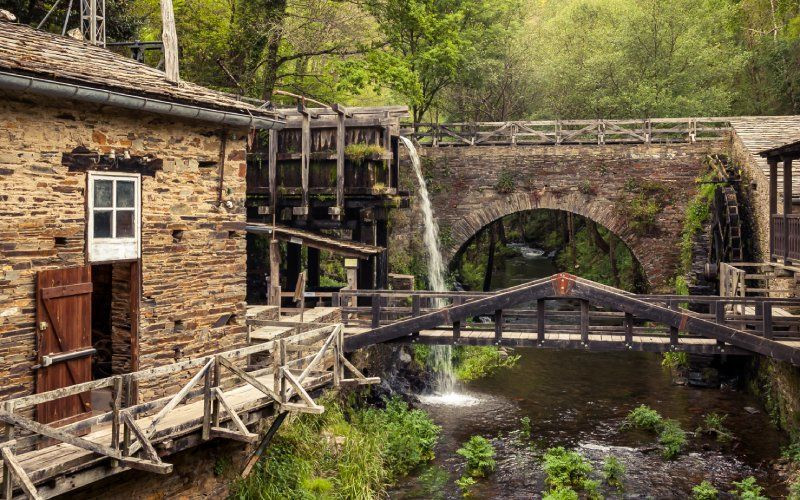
(58, 460)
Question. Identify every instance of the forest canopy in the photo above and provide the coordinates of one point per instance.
(473, 60)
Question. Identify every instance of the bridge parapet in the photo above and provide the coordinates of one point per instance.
(554, 132)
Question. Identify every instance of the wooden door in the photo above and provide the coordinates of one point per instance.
(64, 325)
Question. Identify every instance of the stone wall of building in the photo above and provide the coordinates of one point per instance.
(188, 283)
(474, 186)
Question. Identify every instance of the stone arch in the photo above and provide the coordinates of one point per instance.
(600, 210)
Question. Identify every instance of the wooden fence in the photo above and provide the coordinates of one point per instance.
(646, 131)
(135, 428)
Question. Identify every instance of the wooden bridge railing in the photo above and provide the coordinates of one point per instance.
(654, 130)
(135, 428)
(785, 237)
(750, 314)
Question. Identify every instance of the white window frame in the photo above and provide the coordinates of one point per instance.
(114, 249)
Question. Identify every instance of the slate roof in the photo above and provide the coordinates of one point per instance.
(28, 51)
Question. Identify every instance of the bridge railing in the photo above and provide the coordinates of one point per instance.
(544, 132)
(570, 317)
(785, 237)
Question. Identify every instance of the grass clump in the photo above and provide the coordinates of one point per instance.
(479, 453)
(714, 423)
(675, 360)
(645, 418)
(562, 493)
(567, 470)
(670, 434)
(474, 362)
(505, 182)
(346, 452)
(358, 152)
(672, 438)
(525, 427)
(697, 214)
(747, 489)
(705, 491)
(613, 471)
(464, 483)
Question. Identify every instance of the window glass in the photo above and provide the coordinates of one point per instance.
(125, 224)
(102, 193)
(102, 224)
(125, 192)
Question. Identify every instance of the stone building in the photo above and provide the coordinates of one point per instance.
(122, 217)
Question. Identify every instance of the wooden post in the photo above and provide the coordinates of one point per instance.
(584, 322)
(376, 310)
(773, 203)
(170, 39)
(305, 158)
(498, 326)
(340, 146)
(719, 317)
(207, 400)
(215, 402)
(273, 173)
(8, 481)
(767, 320)
(673, 330)
(787, 205)
(274, 298)
(337, 352)
(628, 322)
(282, 353)
(540, 320)
(116, 402)
(415, 309)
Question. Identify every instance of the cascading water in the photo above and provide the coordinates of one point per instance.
(441, 358)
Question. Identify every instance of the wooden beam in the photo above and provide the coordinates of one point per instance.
(170, 38)
(237, 422)
(222, 432)
(176, 400)
(273, 429)
(249, 378)
(144, 441)
(10, 462)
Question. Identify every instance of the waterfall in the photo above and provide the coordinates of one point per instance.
(441, 358)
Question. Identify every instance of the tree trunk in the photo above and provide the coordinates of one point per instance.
(599, 242)
(501, 232)
(487, 275)
(612, 255)
(272, 64)
(571, 239)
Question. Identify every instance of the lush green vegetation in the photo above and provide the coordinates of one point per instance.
(479, 453)
(714, 424)
(705, 491)
(747, 489)
(359, 151)
(568, 470)
(347, 452)
(613, 471)
(474, 362)
(671, 436)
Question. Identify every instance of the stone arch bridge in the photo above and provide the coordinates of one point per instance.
(606, 171)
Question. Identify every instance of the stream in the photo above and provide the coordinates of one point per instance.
(580, 400)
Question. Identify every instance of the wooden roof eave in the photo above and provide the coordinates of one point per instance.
(311, 239)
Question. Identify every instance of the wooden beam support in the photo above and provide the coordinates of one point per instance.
(498, 326)
(10, 463)
(144, 441)
(247, 378)
(237, 422)
(585, 321)
(540, 318)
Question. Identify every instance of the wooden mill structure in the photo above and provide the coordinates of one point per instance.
(326, 181)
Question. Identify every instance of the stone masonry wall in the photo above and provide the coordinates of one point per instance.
(187, 285)
(589, 180)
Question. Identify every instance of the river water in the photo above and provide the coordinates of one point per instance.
(580, 400)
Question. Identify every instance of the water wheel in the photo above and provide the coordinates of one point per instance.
(726, 216)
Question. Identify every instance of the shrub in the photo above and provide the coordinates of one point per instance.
(464, 483)
(525, 427)
(613, 471)
(794, 488)
(359, 152)
(566, 469)
(747, 489)
(479, 453)
(672, 438)
(792, 452)
(505, 182)
(645, 418)
(705, 491)
(675, 360)
(714, 423)
(586, 188)
(474, 362)
(562, 493)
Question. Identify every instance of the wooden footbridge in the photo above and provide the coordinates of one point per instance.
(225, 395)
(564, 311)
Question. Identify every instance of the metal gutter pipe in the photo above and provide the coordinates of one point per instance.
(22, 83)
